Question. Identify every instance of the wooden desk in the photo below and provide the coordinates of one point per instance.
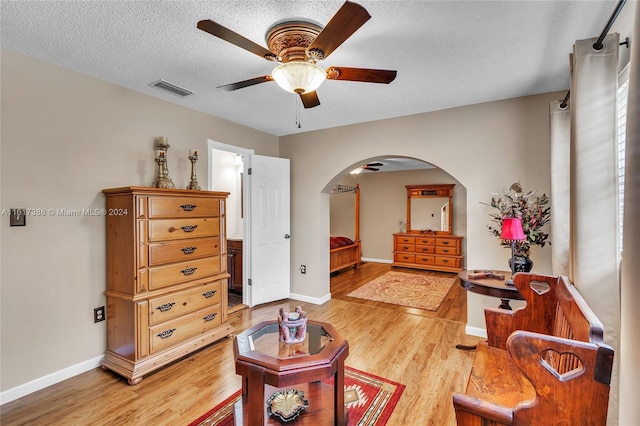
(488, 284)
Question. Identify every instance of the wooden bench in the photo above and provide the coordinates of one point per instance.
(542, 364)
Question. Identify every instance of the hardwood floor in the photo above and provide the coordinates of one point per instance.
(410, 346)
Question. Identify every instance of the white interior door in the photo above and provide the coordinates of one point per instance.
(270, 226)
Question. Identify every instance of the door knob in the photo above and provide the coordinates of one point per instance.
(287, 236)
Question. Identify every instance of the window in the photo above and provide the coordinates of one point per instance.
(623, 92)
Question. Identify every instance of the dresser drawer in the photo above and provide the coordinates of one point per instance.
(173, 229)
(163, 276)
(451, 251)
(183, 302)
(426, 241)
(181, 250)
(447, 242)
(425, 249)
(183, 328)
(404, 258)
(452, 262)
(160, 207)
(425, 260)
(405, 247)
(401, 239)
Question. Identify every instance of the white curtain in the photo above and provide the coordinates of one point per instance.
(589, 250)
(559, 125)
(629, 354)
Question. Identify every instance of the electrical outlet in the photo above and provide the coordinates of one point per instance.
(98, 314)
(303, 269)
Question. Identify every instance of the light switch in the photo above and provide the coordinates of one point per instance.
(17, 217)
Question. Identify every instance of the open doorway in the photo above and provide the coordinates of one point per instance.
(383, 202)
(226, 173)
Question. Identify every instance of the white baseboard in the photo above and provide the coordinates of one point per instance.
(476, 331)
(369, 259)
(314, 300)
(48, 380)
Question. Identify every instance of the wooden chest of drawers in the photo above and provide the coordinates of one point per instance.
(166, 276)
(436, 252)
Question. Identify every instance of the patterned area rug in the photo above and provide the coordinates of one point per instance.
(400, 288)
(370, 400)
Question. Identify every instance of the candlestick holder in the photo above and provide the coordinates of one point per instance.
(194, 182)
(162, 180)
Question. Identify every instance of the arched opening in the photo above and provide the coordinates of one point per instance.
(383, 201)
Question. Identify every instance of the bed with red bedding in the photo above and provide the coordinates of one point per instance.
(343, 251)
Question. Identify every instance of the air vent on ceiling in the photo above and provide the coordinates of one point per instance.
(170, 87)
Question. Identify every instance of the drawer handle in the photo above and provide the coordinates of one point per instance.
(446, 243)
(188, 271)
(186, 228)
(188, 250)
(166, 307)
(445, 251)
(405, 257)
(188, 207)
(444, 260)
(405, 248)
(209, 293)
(166, 334)
(210, 317)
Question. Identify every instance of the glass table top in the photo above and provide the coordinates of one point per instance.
(267, 341)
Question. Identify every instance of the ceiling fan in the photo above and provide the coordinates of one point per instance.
(373, 167)
(298, 46)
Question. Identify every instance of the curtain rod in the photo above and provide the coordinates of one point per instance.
(598, 45)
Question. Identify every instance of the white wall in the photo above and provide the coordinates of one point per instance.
(226, 177)
(485, 147)
(65, 137)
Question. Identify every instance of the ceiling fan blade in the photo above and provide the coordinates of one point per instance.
(215, 29)
(245, 83)
(310, 99)
(361, 74)
(344, 23)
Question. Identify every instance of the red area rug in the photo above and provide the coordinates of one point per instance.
(370, 400)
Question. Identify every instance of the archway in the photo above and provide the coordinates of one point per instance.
(383, 202)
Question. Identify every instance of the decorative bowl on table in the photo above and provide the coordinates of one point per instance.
(286, 405)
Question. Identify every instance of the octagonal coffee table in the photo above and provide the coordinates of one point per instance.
(268, 365)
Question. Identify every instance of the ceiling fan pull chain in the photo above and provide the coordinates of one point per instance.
(298, 112)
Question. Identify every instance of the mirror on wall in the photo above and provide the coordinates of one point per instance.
(430, 208)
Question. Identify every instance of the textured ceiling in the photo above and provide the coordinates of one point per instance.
(447, 53)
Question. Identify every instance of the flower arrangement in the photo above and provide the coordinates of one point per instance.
(533, 210)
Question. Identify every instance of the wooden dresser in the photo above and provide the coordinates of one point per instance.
(434, 252)
(428, 242)
(234, 255)
(166, 276)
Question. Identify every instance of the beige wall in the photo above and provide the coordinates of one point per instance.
(65, 137)
(484, 147)
(383, 203)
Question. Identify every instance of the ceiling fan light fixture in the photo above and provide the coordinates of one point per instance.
(299, 77)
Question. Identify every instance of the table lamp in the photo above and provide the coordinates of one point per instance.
(512, 231)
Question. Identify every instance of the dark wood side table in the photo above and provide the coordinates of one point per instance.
(266, 363)
(489, 283)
